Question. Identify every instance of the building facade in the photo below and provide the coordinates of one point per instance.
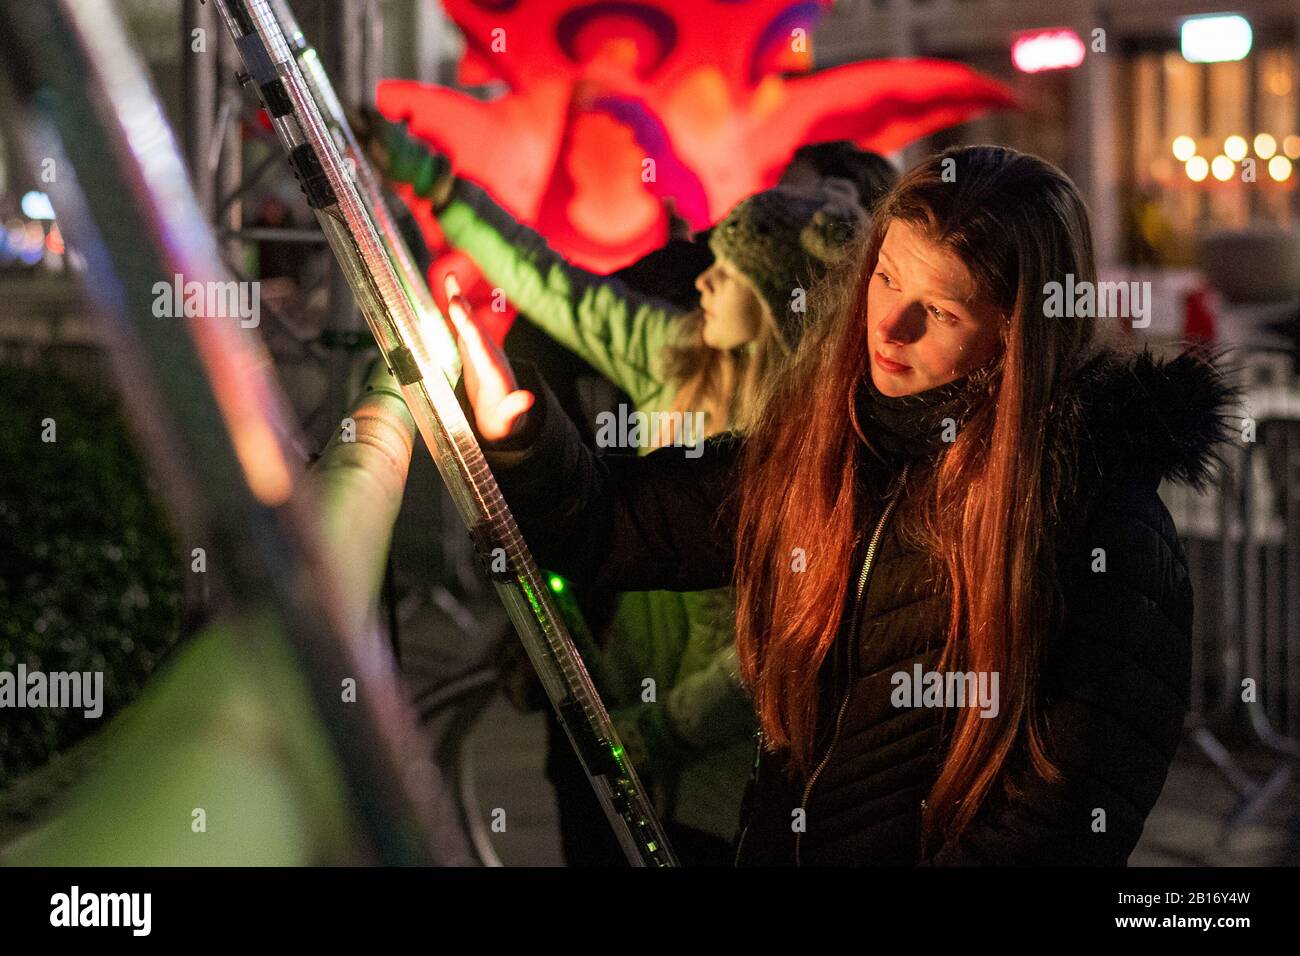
(1164, 149)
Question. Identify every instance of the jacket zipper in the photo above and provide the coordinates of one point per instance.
(844, 705)
(753, 785)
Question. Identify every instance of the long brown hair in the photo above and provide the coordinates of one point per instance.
(981, 511)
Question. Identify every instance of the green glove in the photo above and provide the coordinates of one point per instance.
(402, 158)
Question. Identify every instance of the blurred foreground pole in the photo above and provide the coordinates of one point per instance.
(208, 413)
(359, 481)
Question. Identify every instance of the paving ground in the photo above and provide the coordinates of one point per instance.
(507, 752)
(1186, 827)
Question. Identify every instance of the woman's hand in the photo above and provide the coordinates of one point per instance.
(489, 380)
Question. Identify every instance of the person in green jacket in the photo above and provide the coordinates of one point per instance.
(676, 696)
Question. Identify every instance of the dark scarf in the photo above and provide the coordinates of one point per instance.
(912, 426)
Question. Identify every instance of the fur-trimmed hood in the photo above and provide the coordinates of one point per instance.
(1135, 416)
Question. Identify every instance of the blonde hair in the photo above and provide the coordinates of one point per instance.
(726, 384)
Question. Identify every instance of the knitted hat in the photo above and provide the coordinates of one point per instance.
(782, 240)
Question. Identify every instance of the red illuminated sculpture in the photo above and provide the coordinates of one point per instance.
(612, 107)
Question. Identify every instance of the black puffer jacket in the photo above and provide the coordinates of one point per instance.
(1115, 678)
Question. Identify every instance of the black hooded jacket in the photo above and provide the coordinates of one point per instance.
(1114, 683)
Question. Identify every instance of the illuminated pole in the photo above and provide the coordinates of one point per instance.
(417, 346)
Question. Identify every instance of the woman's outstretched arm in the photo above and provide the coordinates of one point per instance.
(662, 521)
(620, 332)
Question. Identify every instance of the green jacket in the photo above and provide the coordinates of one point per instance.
(695, 722)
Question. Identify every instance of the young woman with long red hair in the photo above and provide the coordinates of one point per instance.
(963, 612)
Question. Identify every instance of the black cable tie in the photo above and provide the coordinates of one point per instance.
(485, 543)
(276, 98)
(311, 176)
(404, 367)
(256, 58)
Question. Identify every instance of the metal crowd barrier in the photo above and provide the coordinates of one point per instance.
(1242, 539)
